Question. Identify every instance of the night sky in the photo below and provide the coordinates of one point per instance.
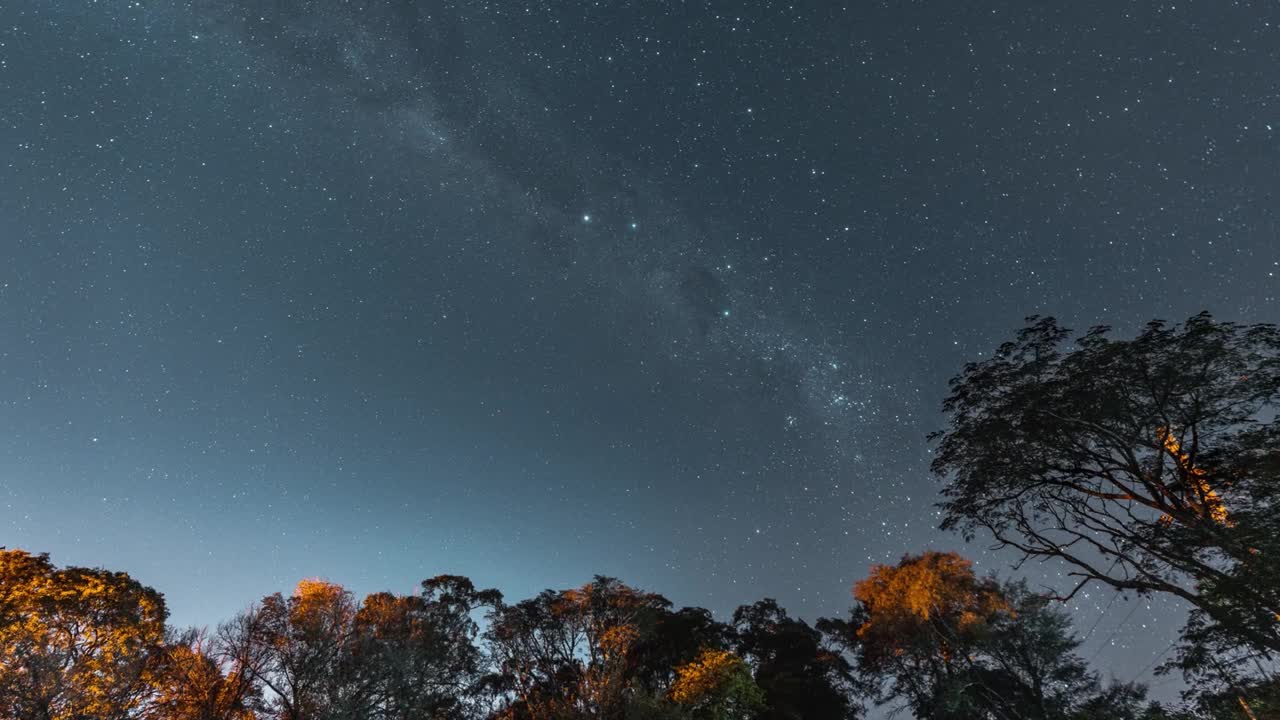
(527, 291)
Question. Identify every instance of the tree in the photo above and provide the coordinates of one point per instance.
(913, 630)
(416, 655)
(317, 655)
(674, 638)
(1263, 701)
(573, 653)
(191, 682)
(1122, 701)
(800, 675)
(1030, 644)
(717, 685)
(1150, 464)
(296, 650)
(930, 634)
(74, 642)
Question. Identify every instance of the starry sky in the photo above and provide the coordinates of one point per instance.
(529, 291)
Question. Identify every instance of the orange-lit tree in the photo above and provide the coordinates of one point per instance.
(191, 682)
(297, 651)
(935, 638)
(573, 653)
(75, 642)
(717, 685)
(673, 638)
(318, 655)
(415, 656)
(915, 627)
(1150, 465)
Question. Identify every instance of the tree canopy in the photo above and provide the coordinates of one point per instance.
(74, 642)
(927, 632)
(932, 637)
(1148, 464)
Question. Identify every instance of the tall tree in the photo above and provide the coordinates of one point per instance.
(296, 649)
(674, 638)
(192, 682)
(1150, 464)
(566, 654)
(1031, 651)
(912, 631)
(801, 676)
(931, 635)
(75, 642)
(416, 656)
(604, 650)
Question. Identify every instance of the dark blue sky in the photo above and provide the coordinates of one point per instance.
(668, 291)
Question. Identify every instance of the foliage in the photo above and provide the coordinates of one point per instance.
(933, 637)
(573, 653)
(74, 642)
(1148, 464)
(717, 685)
(319, 654)
(801, 676)
(190, 682)
(85, 644)
(416, 655)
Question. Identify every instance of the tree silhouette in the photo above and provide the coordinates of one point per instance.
(416, 655)
(1150, 464)
(296, 650)
(800, 675)
(574, 653)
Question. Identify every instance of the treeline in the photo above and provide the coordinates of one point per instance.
(927, 633)
(1150, 465)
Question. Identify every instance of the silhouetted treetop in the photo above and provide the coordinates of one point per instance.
(1149, 464)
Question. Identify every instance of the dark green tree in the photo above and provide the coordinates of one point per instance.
(674, 638)
(802, 676)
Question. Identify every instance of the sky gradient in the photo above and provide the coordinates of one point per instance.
(526, 292)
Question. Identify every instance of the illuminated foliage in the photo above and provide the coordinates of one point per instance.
(415, 656)
(317, 655)
(574, 653)
(191, 682)
(673, 639)
(932, 637)
(1198, 493)
(935, 595)
(717, 685)
(74, 642)
(917, 623)
(79, 644)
